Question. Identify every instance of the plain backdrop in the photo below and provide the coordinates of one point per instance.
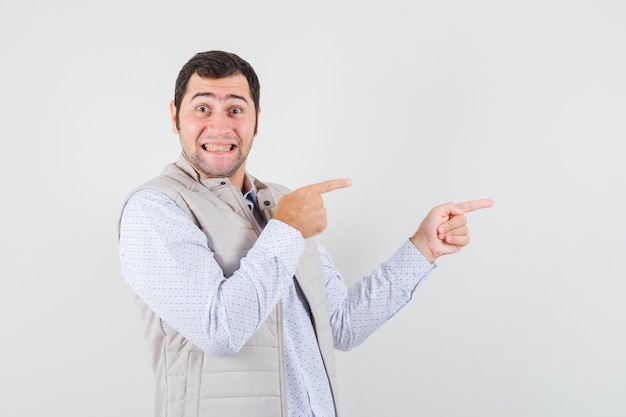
(420, 103)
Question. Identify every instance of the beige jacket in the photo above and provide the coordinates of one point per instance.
(192, 383)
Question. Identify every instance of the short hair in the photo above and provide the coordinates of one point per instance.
(216, 64)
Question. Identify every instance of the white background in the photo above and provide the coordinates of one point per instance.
(419, 102)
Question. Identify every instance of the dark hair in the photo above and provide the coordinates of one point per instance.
(216, 64)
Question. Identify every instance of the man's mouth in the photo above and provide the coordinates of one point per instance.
(209, 147)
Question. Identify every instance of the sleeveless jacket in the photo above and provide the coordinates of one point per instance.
(192, 383)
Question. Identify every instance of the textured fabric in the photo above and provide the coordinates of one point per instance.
(171, 279)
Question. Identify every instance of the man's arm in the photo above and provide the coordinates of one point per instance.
(356, 312)
(167, 262)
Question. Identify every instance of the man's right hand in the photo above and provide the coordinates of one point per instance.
(303, 208)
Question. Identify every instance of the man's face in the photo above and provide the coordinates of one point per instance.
(216, 123)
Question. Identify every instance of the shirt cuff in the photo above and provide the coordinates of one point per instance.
(420, 258)
(283, 242)
(410, 266)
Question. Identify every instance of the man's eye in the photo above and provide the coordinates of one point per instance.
(202, 109)
(235, 110)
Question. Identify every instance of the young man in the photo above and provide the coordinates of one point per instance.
(242, 309)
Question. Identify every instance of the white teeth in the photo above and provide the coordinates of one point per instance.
(216, 148)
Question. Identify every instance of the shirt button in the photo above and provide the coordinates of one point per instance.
(266, 203)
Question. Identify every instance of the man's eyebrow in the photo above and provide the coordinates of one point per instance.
(208, 94)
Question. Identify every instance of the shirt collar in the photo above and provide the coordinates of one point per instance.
(249, 189)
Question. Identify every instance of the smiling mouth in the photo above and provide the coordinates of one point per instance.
(217, 148)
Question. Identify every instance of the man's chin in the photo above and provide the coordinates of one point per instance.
(216, 171)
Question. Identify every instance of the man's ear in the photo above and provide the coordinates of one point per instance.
(173, 117)
(258, 113)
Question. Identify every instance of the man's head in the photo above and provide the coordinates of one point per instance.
(215, 114)
(216, 64)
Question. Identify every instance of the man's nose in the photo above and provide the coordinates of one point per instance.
(219, 123)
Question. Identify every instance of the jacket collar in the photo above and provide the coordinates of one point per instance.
(210, 183)
(264, 195)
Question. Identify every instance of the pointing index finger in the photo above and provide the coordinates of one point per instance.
(331, 185)
(472, 205)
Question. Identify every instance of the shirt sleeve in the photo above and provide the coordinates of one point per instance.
(357, 311)
(166, 260)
